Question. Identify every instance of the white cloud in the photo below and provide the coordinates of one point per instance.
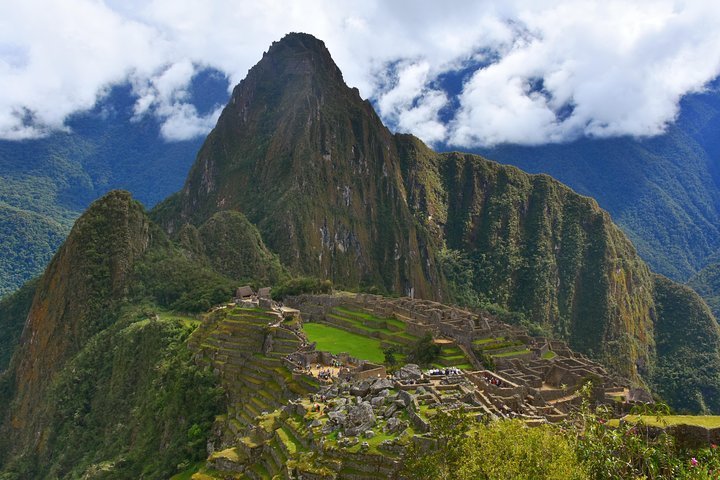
(545, 70)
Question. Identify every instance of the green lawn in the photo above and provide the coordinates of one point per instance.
(334, 340)
(708, 421)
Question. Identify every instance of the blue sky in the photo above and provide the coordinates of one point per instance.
(467, 74)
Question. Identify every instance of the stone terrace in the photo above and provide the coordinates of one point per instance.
(246, 347)
(541, 378)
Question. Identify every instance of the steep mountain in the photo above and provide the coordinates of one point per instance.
(46, 183)
(688, 347)
(532, 245)
(664, 192)
(100, 353)
(311, 164)
(13, 311)
(337, 196)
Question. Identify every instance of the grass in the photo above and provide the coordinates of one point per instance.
(707, 421)
(335, 340)
(549, 355)
(370, 317)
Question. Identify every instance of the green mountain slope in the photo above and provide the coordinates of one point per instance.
(534, 246)
(707, 283)
(101, 381)
(688, 347)
(662, 191)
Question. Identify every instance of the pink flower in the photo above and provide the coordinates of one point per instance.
(693, 461)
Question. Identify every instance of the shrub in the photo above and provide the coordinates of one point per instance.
(425, 351)
(298, 286)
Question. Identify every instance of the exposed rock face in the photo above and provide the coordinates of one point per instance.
(360, 418)
(311, 164)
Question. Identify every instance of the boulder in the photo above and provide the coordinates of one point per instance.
(390, 411)
(381, 384)
(360, 389)
(337, 417)
(361, 414)
(359, 418)
(409, 372)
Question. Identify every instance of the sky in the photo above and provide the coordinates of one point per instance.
(461, 73)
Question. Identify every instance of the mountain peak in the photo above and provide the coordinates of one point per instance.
(299, 54)
(299, 42)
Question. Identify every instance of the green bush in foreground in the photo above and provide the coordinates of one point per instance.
(506, 449)
(588, 448)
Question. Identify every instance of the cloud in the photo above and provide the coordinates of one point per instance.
(525, 71)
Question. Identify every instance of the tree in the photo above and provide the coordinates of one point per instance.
(425, 351)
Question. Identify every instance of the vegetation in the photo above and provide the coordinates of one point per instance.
(687, 375)
(172, 280)
(299, 286)
(28, 242)
(137, 380)
(13, 313)
(335, 340)
(628, 451)
(590, 448)
(233, 247)
(424, 352)
(499, 450)
(707, 421)
(390, 354)
(707, 283)
(661, 191)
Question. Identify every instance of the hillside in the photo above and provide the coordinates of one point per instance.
(662, 191)
(707, 283)
(99, 333)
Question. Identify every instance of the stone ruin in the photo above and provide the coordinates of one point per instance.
(540, 383)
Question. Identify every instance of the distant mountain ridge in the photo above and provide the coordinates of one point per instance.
(46, 183)
(664, 192)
